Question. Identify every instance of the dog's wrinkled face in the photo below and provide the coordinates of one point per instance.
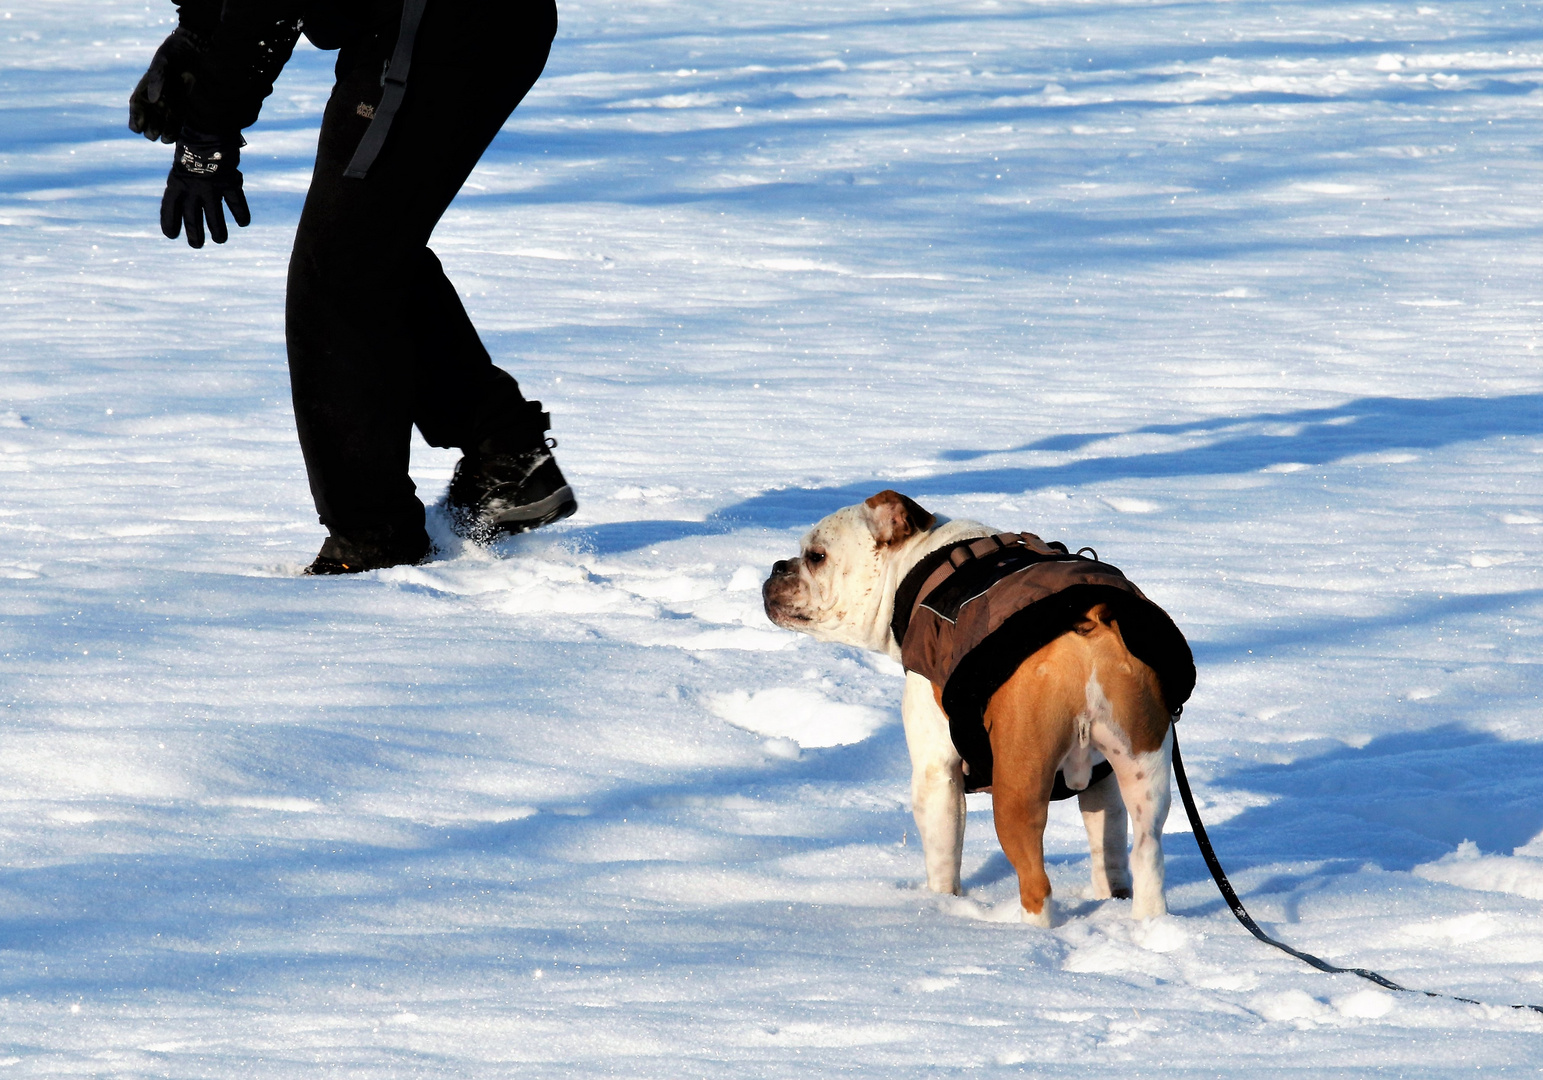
(835, 590)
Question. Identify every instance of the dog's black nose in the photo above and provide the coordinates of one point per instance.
(782, 566)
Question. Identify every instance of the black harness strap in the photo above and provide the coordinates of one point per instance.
(962, 586)
(1229, 895)
(911, 585)
(395, 81)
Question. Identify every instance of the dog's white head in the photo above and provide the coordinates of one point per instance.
(841, 587)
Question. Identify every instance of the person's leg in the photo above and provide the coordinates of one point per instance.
(460, 398)
(473, 64)
(507, 481)
(354, 298)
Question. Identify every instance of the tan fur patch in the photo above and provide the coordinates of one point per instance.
(1059, 702)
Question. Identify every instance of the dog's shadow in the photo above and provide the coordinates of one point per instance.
(1399, 801)
(996, 868)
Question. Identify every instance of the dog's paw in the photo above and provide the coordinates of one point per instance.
(1045, 917)
(1102, 890)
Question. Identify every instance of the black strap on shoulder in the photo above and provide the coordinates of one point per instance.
(1228, 894)
(911, 585)
(395, 80)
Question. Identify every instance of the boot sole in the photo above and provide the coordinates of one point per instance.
(324, 567)
(554, 507)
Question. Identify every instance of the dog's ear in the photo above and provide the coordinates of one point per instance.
(894, 519)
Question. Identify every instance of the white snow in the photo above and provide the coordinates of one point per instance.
(1519, 873)
(807, 717)
(1244, 296)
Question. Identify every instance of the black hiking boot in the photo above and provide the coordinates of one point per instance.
(500, 494)
(371, 549)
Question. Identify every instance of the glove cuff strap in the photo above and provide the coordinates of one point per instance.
(202, 154)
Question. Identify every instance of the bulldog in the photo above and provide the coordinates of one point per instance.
(1079, 699)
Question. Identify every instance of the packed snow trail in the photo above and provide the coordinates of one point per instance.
(1243, 295)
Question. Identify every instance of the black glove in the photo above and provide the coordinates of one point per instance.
(158, 104)
(203, 174)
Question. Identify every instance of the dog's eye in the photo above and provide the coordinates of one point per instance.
(814, 558)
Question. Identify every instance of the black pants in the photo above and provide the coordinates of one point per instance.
(378, 339)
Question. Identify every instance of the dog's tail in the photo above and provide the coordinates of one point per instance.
(1147, 720)
(1095, 619)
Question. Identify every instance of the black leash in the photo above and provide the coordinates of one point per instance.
(1229, 895)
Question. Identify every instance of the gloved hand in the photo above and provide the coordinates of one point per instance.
(203, 174)
(158, 103)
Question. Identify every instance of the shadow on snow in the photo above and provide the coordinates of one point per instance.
(1397, 802)
(1312, 437)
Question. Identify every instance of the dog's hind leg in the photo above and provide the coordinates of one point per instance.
(1103, 812)
(1027, 742)
(1144, 787)
(937, 784)
(1138, 741)
(1020, 802)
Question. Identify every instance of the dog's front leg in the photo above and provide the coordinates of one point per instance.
(937, 784)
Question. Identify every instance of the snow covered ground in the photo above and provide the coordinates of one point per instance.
(1245, 295)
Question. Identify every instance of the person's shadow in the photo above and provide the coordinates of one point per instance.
(1230, 445)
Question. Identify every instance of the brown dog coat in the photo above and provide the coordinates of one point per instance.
(971, 612)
